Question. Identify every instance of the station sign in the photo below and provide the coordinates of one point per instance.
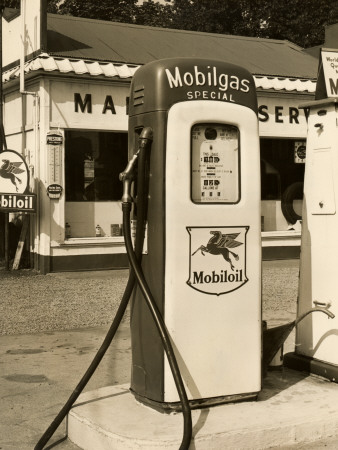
(327, 79)
(18, 202)
(54, 191)
(330, 66)
(14, 174)
(14, 182)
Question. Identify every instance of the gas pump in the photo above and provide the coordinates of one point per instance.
(196, 326)
(316, 337)
(203, 260)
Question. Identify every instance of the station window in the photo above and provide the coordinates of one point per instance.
(93, 161)
(280, 166)
(282, 176)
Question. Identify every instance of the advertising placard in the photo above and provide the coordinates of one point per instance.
(14, 174)
(14, 182)
(330, 69)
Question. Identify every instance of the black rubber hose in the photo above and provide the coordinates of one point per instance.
(142, 201)
(91, 369)
(162, 329)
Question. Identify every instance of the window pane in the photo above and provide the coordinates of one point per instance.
(94, 161)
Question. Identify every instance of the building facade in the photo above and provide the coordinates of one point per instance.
(66, 111)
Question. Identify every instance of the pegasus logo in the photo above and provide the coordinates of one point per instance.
(209, 275)
(14, 175)
(219, 244)
(11, 170)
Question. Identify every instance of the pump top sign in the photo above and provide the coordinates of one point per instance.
(163, 83)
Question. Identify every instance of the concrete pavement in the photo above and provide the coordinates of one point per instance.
(39, 371)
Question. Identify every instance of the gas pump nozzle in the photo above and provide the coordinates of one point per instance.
(127, 176)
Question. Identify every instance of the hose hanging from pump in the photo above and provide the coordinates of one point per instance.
(114, 326)
(157, 317)
(91, 369)
(135, 274)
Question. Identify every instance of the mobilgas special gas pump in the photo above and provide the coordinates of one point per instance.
(196, 313)
(203, 259)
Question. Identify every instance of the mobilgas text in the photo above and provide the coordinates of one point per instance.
(211, 78)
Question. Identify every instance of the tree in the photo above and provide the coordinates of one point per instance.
(218, 16)
(12, 4)
(113, 10)
(300, 21)
(52, 4)
(154, 14)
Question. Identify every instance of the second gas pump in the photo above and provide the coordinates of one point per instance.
(203, 254)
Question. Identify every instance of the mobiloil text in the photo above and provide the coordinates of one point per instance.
(18, 202)
(221, 277)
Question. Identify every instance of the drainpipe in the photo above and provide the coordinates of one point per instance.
(23, 92)
(23, 50)
(2, 138)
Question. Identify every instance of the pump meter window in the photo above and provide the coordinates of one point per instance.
(215, 163)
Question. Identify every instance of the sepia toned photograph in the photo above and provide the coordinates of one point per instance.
(168, 222)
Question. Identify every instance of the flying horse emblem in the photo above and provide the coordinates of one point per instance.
(219, 244)
(11, 170)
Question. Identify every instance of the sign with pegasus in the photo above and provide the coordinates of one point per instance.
(14, 175)
(219, 266)
(14, 182)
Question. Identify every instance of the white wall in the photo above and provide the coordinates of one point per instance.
(12, 51)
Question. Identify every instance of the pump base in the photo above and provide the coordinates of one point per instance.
(291, 409)
(200, 403)
(311, 366)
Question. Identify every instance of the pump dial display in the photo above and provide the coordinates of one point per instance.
(214, 163)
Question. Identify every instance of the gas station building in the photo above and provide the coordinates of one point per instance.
(77, 75)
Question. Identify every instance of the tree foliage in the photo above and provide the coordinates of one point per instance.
(153, 14)
(300, 21)
(218, 16)
(113, 10)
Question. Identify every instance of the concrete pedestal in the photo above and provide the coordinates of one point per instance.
(292, 408)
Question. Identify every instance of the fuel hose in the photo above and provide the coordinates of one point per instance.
(161, 327)
(136, 274)
(134, 260)
(117, 319)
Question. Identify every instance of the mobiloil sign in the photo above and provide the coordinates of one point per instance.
(203, 260)
(18, 202)
(14, 182)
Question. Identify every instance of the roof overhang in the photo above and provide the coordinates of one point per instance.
(45, 63)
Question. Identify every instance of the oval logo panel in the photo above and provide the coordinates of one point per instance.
(217, 259)
(14, 177)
